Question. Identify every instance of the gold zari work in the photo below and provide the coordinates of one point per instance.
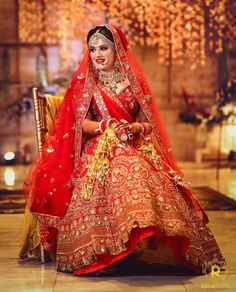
(99, 162)
(131, 194)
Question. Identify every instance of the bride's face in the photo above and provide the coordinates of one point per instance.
(102, 55)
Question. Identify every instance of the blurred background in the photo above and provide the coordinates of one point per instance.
(187, 50)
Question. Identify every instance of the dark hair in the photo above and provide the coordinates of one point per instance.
(102, 30)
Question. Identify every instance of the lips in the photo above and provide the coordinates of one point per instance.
(100, 61)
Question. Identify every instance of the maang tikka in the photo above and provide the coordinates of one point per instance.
(98, 36)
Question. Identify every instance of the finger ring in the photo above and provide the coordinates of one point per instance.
(123, 137)
(130, 136)
(123, 121)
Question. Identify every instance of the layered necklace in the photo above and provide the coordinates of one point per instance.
(111, 79)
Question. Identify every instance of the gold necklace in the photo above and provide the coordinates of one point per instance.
(111, 79)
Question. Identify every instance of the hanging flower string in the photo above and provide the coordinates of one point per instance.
(177, 28)
(99, 162)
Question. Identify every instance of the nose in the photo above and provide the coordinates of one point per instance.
(95, 53)
(99, 53)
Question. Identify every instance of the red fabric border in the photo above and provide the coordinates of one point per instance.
(178, 243)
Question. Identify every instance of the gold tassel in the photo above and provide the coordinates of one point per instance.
(147, 149)
(99, 161)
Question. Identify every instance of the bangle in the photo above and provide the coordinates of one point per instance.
(101, 126)
(142, 129)
(109, 122)
(145, 129)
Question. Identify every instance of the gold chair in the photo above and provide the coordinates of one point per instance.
(45, 109)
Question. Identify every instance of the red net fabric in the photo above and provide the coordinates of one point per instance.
(47, 185)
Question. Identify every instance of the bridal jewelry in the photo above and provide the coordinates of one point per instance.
(130, 136)
(123, 121)
(99, 36)
(111, 79)
(110, 122)
(123, 137)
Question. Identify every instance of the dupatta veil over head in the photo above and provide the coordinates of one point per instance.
(47, 185)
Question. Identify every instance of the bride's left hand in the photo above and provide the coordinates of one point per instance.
(135, 128)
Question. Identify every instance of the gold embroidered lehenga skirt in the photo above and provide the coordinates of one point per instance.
(135, 200)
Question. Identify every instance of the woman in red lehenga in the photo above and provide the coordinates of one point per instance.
(107, 185)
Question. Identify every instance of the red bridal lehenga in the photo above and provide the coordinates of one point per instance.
(99, 200)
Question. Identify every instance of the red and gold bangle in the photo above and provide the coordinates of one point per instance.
(101, 126)
(142, 129)
(98, 130)
(145, 129)
(110, 122)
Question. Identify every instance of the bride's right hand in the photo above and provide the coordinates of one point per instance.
(119, 128)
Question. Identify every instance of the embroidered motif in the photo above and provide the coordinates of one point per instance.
(50, 149)
(134, 194)
(81, 76)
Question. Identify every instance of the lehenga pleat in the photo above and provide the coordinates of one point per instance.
(136, 201)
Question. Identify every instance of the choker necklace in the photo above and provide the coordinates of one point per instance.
(111, 79)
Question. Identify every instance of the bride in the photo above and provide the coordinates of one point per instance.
(107, 185)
